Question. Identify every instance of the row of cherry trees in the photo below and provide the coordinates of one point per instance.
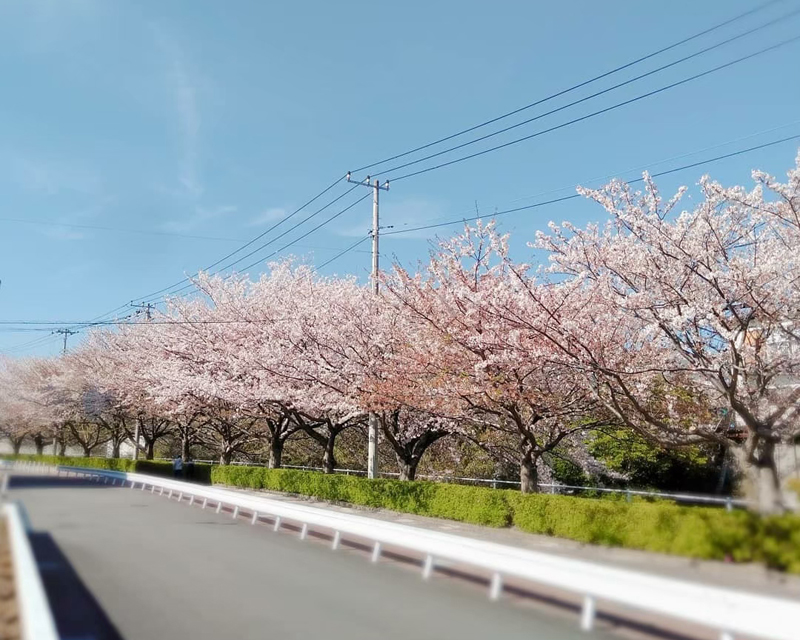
(680, 326)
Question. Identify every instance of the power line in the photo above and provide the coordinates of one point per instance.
(255, 239)
(591, 96)
(601, 111)
(577, 195)
(573, 87)
(289, 230)
(128, 322)
(92, 227)
(289, 244)
(66, 333)
(672, 85)
(620, 68)
(343, 252)
(253, 252)
(618, 174)
(32, 343)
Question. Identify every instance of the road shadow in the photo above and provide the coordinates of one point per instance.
(54, 482)
(76, 612)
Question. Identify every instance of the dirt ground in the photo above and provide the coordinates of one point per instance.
(9, 620)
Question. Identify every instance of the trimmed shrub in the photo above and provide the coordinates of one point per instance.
(660, 526)
(112, 464)
(456, 502)
(696, 532)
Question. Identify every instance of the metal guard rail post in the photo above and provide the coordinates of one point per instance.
(725, 610)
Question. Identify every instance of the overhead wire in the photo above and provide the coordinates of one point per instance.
(345, 251)
(574, 87)
(286, 246)
(598, 112)
(577, 195)
(639, 168)
(37, 342)
(674, 45)
(258, 237)
(50, 324)
(93, 227)
(585, 117)
(591, 96)
(480, 125)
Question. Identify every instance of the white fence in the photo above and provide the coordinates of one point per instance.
(34, 610)
(728, 502)
(727, 611)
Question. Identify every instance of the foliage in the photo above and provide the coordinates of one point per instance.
(466, 504)
(685, 324)
(695, 532)
(646, 465)
(111, 464)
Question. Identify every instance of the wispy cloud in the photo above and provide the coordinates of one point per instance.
(268, 216)
(61, 233)
(44, 25)
(49, 176)
(182, 86)
(200, 216)
(58, 224)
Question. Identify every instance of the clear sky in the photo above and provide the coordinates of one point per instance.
(184, 129)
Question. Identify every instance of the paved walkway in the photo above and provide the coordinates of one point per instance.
(749, 577)
(130, 564)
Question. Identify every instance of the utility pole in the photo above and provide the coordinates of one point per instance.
(148, 307)
(372, 447)
(66, 333)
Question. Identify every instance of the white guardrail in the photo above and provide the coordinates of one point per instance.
(35, 616)
(725, 610)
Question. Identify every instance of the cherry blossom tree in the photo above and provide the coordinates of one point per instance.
(473, 365)
(17, 421)
(686, 325)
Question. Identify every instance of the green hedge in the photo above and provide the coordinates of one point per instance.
(456, 502)
(112, 464)
(696, 532)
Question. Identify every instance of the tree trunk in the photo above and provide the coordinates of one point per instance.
(149, 447)
(407, 468)
(761, 483)
(16, 445)
(275, 453)
(115, 449)
(185, 449)
(62, 447)
(38, 441)
(226, 456)
(87, 450)
(328, 458)
(528, 476)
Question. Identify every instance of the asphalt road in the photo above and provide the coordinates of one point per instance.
(125, 563)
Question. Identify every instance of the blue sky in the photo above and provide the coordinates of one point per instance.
(168, 133)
